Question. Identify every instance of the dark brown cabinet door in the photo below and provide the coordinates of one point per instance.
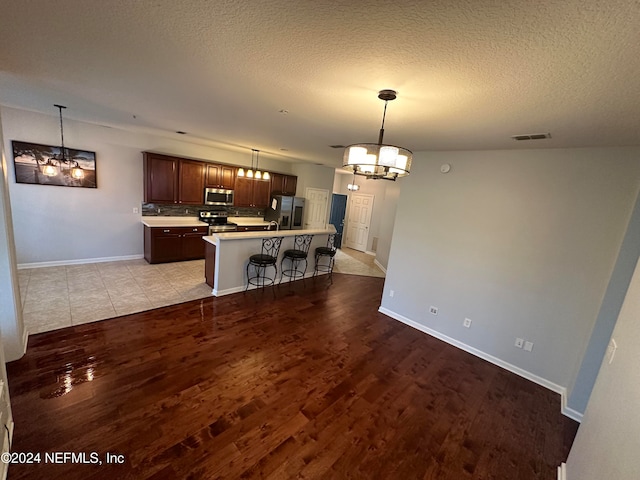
(261, 193)
(160, 174)
(243, 194)
(173, 244)
(220, 176)
(191, 183)
(193, 244)
(290, 185)
(227, 176)
(283, 184)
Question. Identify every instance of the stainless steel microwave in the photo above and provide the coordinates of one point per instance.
(218, 196)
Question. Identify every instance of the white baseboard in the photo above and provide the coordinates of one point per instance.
(379, 265)
(81, 261)
(562, 471)
(490, 358)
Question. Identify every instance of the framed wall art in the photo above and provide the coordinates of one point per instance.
(46, 165)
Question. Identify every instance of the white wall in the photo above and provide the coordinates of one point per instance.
(608, 443)
(521, 242)
(12, 330)
(61, 224)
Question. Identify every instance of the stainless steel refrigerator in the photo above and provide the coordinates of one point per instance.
(287, 211)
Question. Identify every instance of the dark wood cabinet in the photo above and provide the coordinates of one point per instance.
(220, 176)
(173, 180)
(191, 182)
(174, 244)
(160, 178)
(283, 184)
(251, 193)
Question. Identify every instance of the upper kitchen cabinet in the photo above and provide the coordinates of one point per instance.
(220, 176)
(250, 192)
(283, 184)
(173, 180)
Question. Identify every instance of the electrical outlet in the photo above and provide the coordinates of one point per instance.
(392, 293)
(467, 322)
(136, 210)
(433, 310)
(528, 346)
(519, 342)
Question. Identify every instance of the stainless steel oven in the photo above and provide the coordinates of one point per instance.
(218, 196)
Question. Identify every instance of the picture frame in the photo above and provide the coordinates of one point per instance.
(39, 164)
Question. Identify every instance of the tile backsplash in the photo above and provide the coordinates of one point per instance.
(172, 210)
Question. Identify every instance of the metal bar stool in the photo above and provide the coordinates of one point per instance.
(328, 252)
(296, 256)
(268, 257)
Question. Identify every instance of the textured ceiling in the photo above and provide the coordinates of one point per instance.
(469, 74)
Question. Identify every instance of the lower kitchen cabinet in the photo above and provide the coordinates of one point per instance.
(174, 244)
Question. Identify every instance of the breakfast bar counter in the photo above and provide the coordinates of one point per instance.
(227, 255)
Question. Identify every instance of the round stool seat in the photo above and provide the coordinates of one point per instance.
(325, 251)
(295, 253)
(262, 259)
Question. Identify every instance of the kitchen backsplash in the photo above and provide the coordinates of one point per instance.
(171, 210)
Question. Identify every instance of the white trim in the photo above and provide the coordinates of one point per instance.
(562, 471)
(490, 358)
(25, 339)
(379, 265)
(81, 261)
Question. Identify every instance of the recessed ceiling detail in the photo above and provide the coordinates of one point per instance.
(532, 136)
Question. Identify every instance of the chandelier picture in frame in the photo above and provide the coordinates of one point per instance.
(378, 160)
(45, 165)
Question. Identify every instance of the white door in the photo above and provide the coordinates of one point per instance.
(316, 204)
(360, 209)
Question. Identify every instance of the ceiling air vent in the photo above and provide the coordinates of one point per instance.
(532, 136)
(337, 146)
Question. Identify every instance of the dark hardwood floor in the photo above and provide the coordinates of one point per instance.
(313, 383)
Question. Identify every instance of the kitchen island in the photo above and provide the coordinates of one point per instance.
(227, 255)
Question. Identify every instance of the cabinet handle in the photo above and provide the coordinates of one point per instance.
(166, 231)
(195, 229)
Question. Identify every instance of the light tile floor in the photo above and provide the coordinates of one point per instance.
(57, 297)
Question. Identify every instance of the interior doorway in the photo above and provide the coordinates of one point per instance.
(360, 209)
(336, 217)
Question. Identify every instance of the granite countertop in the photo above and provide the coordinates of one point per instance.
(247, 221)
(161, 221)
(217, 237)
(166, 221)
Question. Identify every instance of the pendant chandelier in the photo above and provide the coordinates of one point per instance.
(378, 160)
(352, 187)
(50, 169)
(257, 175)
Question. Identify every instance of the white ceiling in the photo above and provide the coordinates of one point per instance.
(469, 74)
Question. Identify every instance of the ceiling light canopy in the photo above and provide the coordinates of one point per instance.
(378, 160)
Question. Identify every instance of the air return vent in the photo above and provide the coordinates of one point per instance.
(532, 136)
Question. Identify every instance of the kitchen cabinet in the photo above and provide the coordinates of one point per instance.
(173, 180)
(283, 184)
(174, 244)
(220, 176)
(251, 193)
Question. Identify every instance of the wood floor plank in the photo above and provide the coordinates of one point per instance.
(302, 381)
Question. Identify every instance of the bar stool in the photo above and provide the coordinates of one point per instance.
(268, 257)
(296, 256)
(328, 252)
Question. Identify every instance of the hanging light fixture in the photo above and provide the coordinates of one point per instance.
(259, 175)
(352, 187)
(378, 160)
